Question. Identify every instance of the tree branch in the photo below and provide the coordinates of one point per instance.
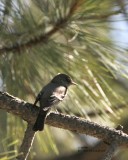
(111, 150)
(34, 41)
(43, 38)
(28, 113)
(100, 16)
(26, 143)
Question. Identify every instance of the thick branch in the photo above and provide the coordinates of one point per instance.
(27, 112)
(26, 143)
(110, 152)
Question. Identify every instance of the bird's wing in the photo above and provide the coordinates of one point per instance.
(38, 98)
(52, 100)
(57, 95)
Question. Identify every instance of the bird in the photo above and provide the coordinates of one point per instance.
(51, 94)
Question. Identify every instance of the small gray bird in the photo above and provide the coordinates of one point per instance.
(51, 94)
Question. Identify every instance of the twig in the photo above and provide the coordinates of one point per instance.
(100, 16)
(26, 143)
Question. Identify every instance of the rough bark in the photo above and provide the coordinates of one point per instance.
(28, 113)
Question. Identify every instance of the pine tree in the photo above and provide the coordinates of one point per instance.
(40, 38)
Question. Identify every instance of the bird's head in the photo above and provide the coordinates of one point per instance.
(63, 79)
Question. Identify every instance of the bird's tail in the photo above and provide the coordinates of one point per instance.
(39, 124)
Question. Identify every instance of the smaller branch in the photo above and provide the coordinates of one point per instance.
(43, 37)
(34, 41)
(100, 16)
(76, 5)
(26, 143)
(110, 151)
(123, 6)
(61, 23)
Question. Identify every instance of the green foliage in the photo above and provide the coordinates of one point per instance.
(39, 38)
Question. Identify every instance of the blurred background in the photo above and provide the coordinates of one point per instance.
(85, 39)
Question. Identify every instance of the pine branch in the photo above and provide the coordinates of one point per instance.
(110, 152)
(26, 143)
(34, 41)
(42, 38)
(28, 113)
(100, 16)
(60, 24)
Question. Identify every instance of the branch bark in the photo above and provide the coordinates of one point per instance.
(111, 150)
(26, 143)
(28, 113)
(45, 36)
(60, 24)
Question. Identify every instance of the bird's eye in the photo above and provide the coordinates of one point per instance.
(68, 79)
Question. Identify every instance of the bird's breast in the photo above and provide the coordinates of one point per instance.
(60, 92)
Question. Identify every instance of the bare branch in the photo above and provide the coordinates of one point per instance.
(111, 150)
(27, 112)
(26, 143)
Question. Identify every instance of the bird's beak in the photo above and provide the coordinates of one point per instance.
(73, 83)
